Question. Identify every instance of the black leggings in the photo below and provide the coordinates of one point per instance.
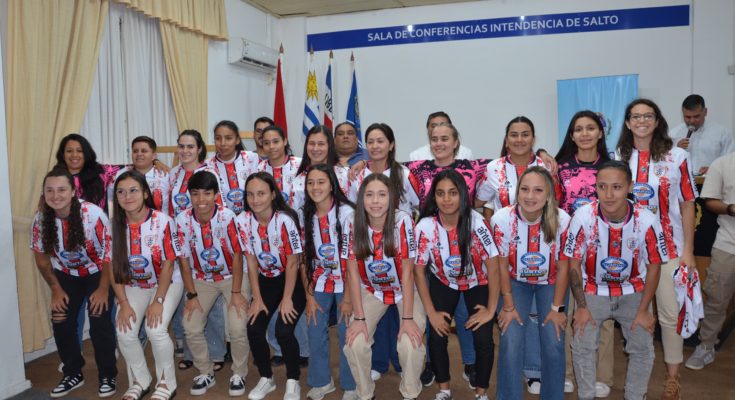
(271, 290)
(445, 299)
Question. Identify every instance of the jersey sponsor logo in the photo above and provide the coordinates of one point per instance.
(293, 236)
(485, 236)
(455, 265)
(642, 191)
(210, 254)
(181, 200)
(73, 259)
(383, 280)
(614, 265)
(327, 250)
(661, 239)
(379, 267)
(569, 245)
(235, 195)
(137, 262)
(267, 258)
(533, 259)
(580, 202)
(614, 278)
(532, 273)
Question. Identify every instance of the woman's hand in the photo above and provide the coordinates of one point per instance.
(582, 317)
(311, 309)
(154, 314)
(125, 317)
(190, 306)
(439, 320)
(409, 327)
(345, 311)
(559, 319)
(59, 300)
(161, 167)
(479, 318)
(356, 168)
(506, 317)
(288, 313)
(688, 259)
(645, 320)
(355, 329)
(256, 307)
(237, 300)
(98, 301)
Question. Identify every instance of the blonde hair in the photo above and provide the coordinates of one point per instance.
(550, 214)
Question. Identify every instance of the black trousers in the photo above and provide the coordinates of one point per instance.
(445, 299)
(706, 231)
(271, 290)
(101, 329)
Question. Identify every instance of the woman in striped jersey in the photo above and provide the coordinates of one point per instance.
(380, 251)
(232, 164)
(325, 213)
(458, 244)
(530, 236)
(663, 182)
(147, 284)
(281, 164)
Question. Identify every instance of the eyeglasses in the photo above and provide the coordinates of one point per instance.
(133, 191)
(642, 117)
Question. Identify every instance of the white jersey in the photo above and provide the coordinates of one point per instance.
(615, 256)
(232, 176)
(689, 297)
(410, 199)
(157, 182)
(211, 246)
(380, 274)
(441, 248)
(329, 270)
(283, 175)
(83, 261)
(270, 244)
(530, 258)
(178, 182)
(498, 188)
(150, 243)
(298, 186)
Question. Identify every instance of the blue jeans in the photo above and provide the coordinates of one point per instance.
(385, 342)
(512, 346)
(319, 371)
(532, 360)
(214, 332)
(464, 335)
(302, 336)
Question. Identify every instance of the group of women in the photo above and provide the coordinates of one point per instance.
(297, 236)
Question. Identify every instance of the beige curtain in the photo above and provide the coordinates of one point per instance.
(51, 54)
(206, 17)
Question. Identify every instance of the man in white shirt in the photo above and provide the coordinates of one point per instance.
(424, 152)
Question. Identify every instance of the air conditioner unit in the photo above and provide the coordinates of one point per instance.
(246, 53)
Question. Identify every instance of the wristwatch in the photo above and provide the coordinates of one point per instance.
(191, 295)
(159, 300)
(560, 308)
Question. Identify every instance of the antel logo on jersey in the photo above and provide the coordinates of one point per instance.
(533, 259)
(210, 254)
(643, 191)
(614, 265)
(327, 251)
(181, 200)
(137, 262)
(379, 267)
(235, 195)
(485, 237)
(267, 258)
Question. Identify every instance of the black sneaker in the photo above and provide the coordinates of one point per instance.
(67, 384)
(470, 375)
(276, 361)
(108, 387)
(201, 384)
(303, 362)
(427, 375)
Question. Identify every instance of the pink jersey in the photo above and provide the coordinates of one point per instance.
(150, 243)
(232, 176)
(661, 186)
(380, 274)
(83, 261)
(329, 269)
(108, 174)
(178, 182)
(298, 186)
(615, 256)
(410, 199)
(498, 187)
(283, 175)
(211, 246)
(157, 182)
(425, 171)
(530, 258)
(441, 248)
(270, 244)
(576, 183)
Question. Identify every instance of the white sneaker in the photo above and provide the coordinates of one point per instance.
(601, 390)
(701, 357)
(264, 386)
(318, 393)
(374, 375)
(350, 395)
(293, 390)
(568, 386)
(533, 386)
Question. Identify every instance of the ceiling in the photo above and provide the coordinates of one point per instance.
(311, 8)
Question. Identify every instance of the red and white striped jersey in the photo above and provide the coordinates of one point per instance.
(329, 268)
(81, 261)
(178, 182)
(298, 186)
(283, 175)
(232, 176)
(498, 187)
(530, 258)
(615, 256)
(441, 248)
(157, 181)
(380, 274)
(150, 243)
(410, 199)
(211, 246)
(660, 186)
(270, 244)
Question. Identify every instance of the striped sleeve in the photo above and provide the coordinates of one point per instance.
(687, 187)
(575, 244)
(485, 234)
(500, 234)
(347, 241)
(294, 236)
(181, 227)
(171, 247)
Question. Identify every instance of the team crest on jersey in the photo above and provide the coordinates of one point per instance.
(455, 265)
(533, 259)
(267, 258)
(73, 259)
(235, 195)
(660, 170)
(631, 243)
(327, 250)
(210, 254)
(642, 191)
(379, 267)
(614, 265)
(148, 240)
(181, 200)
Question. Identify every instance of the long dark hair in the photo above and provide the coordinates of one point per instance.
(661, 143)
(120, 263)
(278, 204)
(332, 157)
(202, 152)
(550, 213)
(519, 119)
(464, 223)
(233, 127)
(75, 240)
(396, 170)
(569, 148)
(361, 239)
(92, 185)
(338, 199)
(282, 134)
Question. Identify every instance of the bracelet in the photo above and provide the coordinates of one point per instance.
(407, 318)
(234, 292)
(359, 319)
(122, 301)
(507, 294)
(509, 310)
(346, 302)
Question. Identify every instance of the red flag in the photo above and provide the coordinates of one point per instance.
(279, 108)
